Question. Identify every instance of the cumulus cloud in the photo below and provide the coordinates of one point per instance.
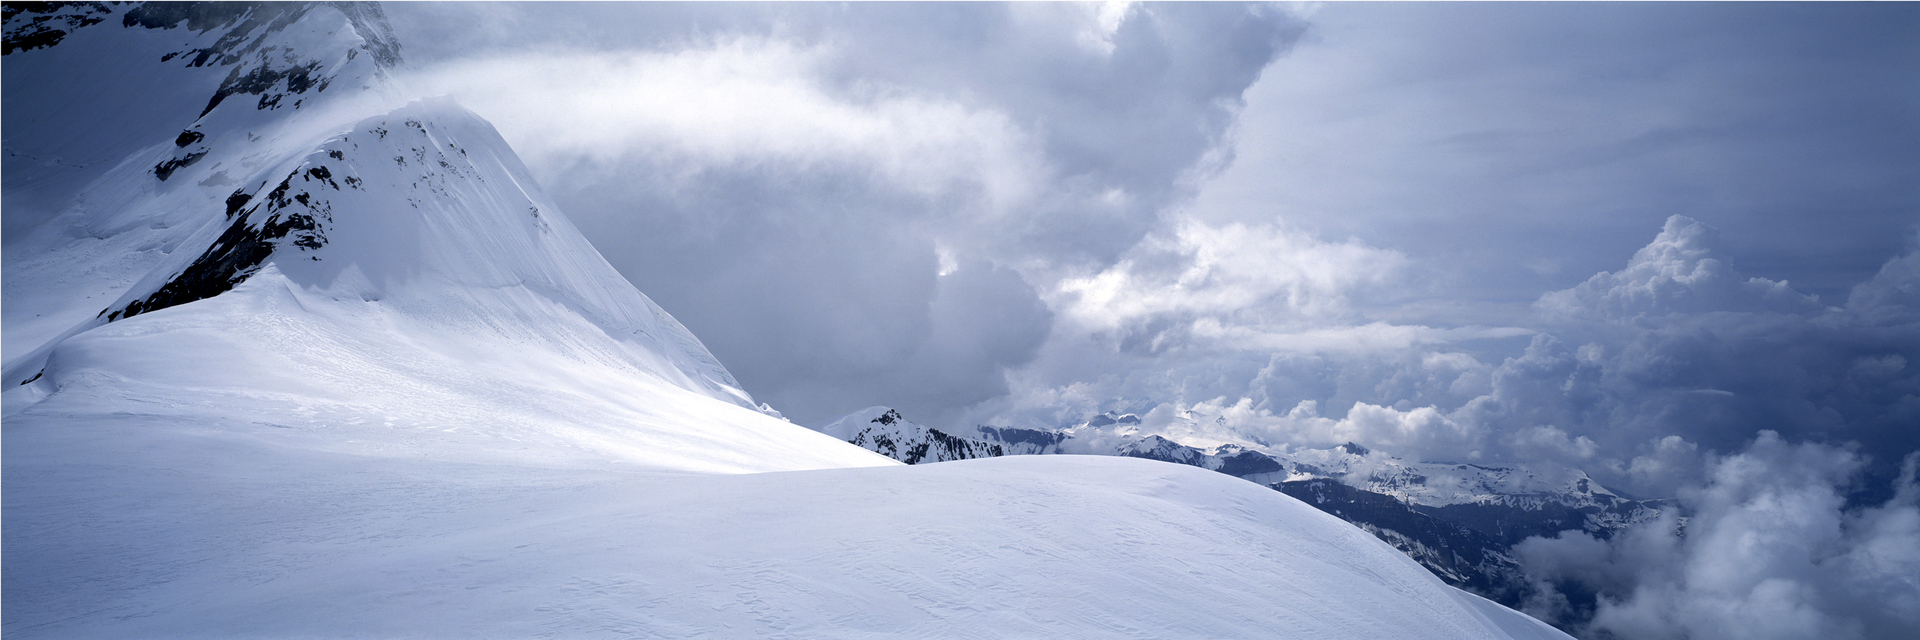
(1679, 272)
(1679, 342)
(1635, 375)
(1770, 550)
(1513, 149)
(1892, 296)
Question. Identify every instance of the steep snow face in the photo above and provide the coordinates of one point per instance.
(126, 136)
(316, 258)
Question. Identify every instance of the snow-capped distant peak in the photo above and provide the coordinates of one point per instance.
(884, 431)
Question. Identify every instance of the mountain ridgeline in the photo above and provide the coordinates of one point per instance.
(1460, 521)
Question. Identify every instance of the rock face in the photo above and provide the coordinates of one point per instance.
(1458, 520)
(882, 430)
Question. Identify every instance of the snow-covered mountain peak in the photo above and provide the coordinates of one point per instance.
(884, 431)
(406, 239)
(114, 75)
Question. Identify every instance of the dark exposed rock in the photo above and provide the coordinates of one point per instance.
(260, 81)
(947, 447)
(1035, 437)
(34, 25)
(914, 446)
(200, 16)
(236, 201)
(165, 169)
(289, 215)
(260, 71)
(1510, 524)
(1463, 557)
(1247, 463)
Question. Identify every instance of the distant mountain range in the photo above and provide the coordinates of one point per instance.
(1460, 521)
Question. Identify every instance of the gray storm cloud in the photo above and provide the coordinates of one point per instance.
(1628, 374)
(1026, 214)
(797, 185)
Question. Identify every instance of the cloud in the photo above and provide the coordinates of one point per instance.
(1770, 550)
(1634, 375)
(1027, 214)
(1892, 296)
(866, 204)
(1679, 272)
(1236, 274)
(738, 103)
(1679, 342)
(1512, 149)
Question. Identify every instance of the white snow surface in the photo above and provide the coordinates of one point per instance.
(454, 419)
(128, 525)
(1433, 484)
(450, 296)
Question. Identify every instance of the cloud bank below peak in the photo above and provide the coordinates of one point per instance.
(1632, 374)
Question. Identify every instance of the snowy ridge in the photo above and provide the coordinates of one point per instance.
(1433, 484)
(361, 262)
(1458, 520)
(1430, 484)
(116, 194)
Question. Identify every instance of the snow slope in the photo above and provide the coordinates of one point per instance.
(316, 362)
(1432, 484)
(136, 526)
(398, 281)
(1461, 521)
